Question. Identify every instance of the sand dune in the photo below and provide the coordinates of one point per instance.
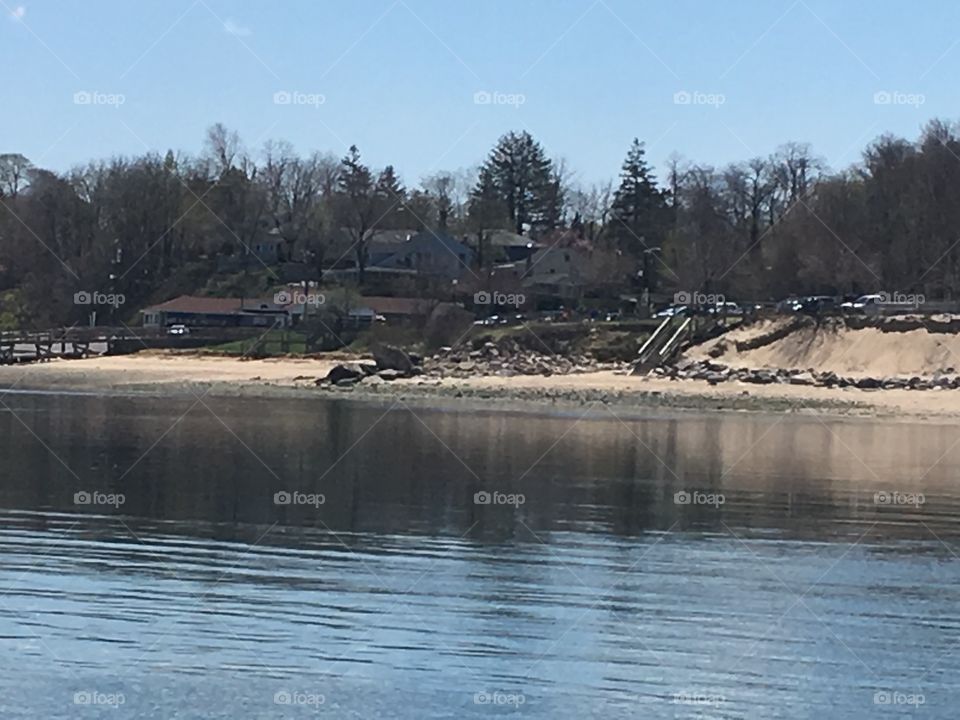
(846, 351)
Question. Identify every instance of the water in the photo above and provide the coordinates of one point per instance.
(600, 595)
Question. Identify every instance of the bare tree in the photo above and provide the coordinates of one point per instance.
(15, 172)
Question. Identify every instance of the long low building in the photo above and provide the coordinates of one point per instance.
(217, 312)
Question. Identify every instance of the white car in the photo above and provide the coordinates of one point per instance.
(672, 311)
(178, 330)
(863, 304)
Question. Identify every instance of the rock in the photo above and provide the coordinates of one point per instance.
(347, 381)
(368, 368)
(719, 349)
(829, 379)
(760, 377)
(466, 365)
(345, 371)
(390, 374)
(868, 383)
(389, 357)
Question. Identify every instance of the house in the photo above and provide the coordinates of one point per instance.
(506, 246)
(383, 244)
(269, 247)
(395, 310)
(341, 246)
(569, 272)
(217, 312)
(430, 253)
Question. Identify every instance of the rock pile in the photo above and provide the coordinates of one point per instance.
(715, 373)
(504, 359)
(389, 363)
(508, 359)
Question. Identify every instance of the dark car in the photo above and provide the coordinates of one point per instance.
(816, 305)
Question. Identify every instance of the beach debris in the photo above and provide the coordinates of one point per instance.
(714, 373)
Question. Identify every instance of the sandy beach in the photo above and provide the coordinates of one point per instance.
(180, 373)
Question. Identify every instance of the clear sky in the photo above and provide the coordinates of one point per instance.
(400, 78)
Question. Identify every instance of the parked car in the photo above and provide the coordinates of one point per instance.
(672, 311)
(178, 330)
(863, 304)
(493, 320)
(725, 308)
(788, 305)
(815, 304)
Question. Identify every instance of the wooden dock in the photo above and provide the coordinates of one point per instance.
(21, 347)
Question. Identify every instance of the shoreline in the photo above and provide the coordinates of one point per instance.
(166, 373)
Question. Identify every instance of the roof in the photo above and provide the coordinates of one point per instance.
(505, 238)
(427, 239)
(439, 236)
(391, 237)
(213, 305)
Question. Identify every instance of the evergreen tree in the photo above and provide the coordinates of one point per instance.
(639, 209)
(391, 199)
(358, 205)
(518, 176)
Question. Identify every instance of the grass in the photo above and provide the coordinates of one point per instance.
(272, 344)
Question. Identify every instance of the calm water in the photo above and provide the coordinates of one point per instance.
(182, 589)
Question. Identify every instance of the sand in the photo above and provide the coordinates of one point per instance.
(866, 352)
(157, 370)
(166, 374)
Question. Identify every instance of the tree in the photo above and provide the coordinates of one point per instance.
(222, 146)
(391, 199)
(357, 205)
(591, 207)
(15, 171)
(639, 211)
(518, 175)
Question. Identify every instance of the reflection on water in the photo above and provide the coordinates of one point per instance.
(689, 566)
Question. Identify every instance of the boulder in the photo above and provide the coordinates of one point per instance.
(390, 374)
(389, 357)
(345, 371)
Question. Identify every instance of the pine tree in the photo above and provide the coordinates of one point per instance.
(518, 175)
(357, 205)
(391, 200)
(639, 209)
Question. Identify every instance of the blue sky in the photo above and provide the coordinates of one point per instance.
(399, 79)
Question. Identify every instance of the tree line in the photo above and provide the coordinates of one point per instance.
(149, 226)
